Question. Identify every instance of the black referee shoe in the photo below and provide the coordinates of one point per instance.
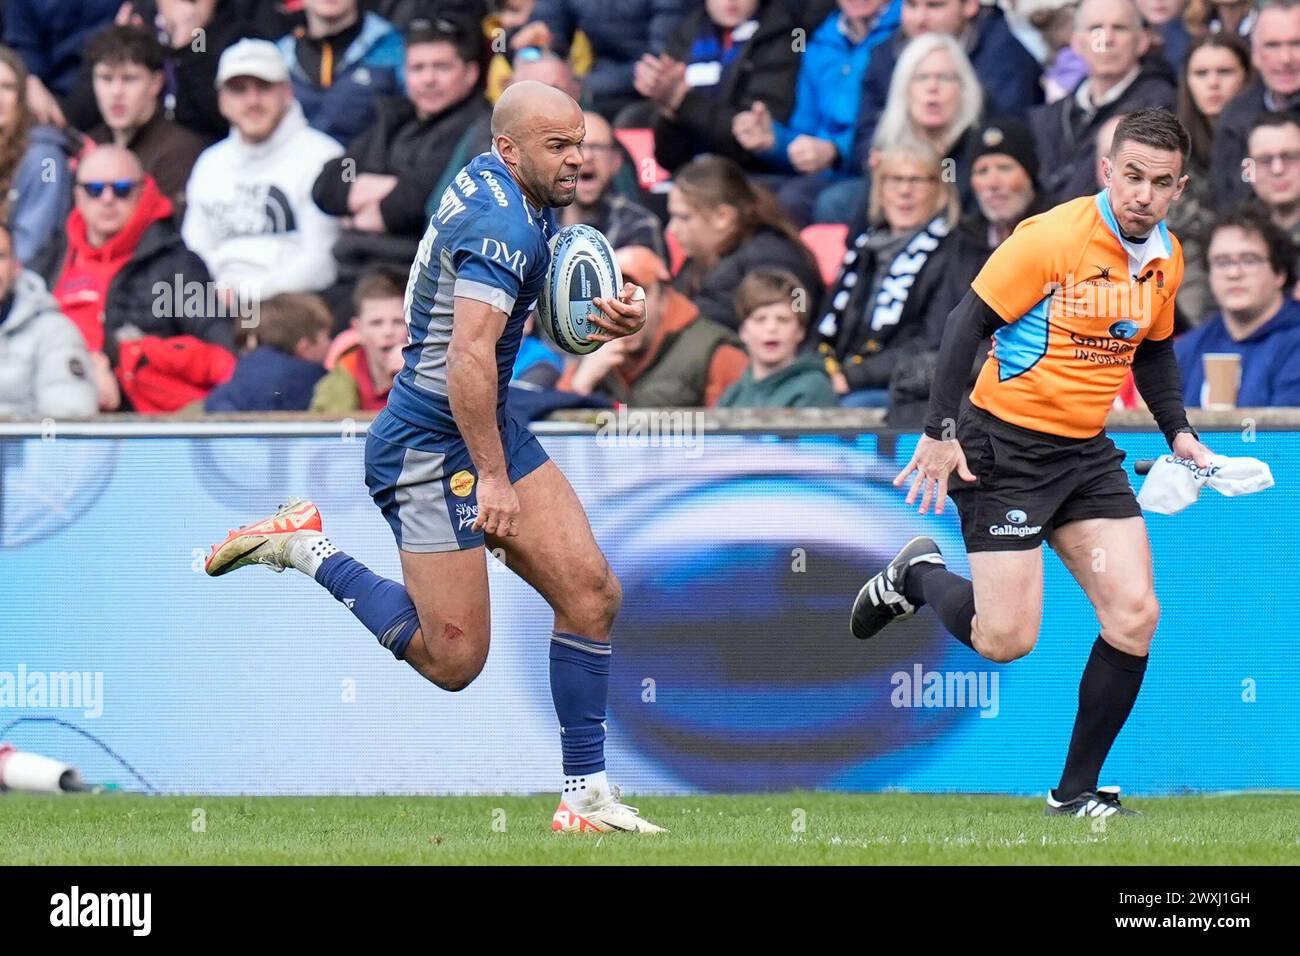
(1102, 802)
(881, 599)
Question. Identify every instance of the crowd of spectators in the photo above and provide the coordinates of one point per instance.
(213, 205)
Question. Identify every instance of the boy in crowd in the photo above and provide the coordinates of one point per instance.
(282, 360)
(363, 375)
(773, 311)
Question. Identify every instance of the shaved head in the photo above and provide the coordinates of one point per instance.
(105, 169)
(538, 132)
(110, 162)
(527, 103)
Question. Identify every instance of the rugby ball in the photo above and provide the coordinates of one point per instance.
(583, 267)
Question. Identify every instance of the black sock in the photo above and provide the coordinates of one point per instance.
(951, 596)
(1107, 690)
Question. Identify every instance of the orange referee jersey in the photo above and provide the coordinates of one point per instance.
(1078, 299)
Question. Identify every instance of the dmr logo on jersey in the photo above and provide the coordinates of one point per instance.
(498, 251)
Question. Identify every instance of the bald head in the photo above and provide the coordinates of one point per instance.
(105, 171)
(538, 131)
(109, 163)
(528, 106)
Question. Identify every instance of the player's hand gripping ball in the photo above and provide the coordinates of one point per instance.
(583, 268)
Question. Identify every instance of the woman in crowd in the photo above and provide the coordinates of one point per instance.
(881, 312)
(35, 187)
(934, 98)
(727, 227)
(1216, 70)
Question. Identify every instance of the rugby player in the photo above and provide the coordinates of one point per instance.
(452, 472)
(1074, 299)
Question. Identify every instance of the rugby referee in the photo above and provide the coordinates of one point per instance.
(1073, 299)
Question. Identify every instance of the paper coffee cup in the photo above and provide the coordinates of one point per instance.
(1222, 379)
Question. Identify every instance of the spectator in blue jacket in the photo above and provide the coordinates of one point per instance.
(35, 187)
(49, 35)
(815, 148)
(621, 32)
(1250, 262)
(1006, 70)
(283, 358)
(341, 63)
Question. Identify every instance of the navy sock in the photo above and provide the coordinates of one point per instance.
(579, 688)
(951, 596)
(1107, 690)
(383, 606)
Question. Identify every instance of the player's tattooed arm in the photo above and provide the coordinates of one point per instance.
(472, 392)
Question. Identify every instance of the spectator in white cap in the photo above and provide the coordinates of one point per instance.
(250, 213)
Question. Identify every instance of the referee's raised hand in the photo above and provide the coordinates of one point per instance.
(933, 461)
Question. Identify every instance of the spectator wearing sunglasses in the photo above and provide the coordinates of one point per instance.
(342, 63)
(378, 188)
(250, 213)
(126, 67)
(120, 247)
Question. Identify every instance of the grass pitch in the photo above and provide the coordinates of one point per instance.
(786, 828)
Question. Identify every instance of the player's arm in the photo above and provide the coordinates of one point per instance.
(472, 392)
(938, 453)
(969, 325)
(1159, 381)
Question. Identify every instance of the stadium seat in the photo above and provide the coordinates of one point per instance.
(826, 241)
(640, 145)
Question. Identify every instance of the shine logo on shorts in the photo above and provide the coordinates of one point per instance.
(466, 514)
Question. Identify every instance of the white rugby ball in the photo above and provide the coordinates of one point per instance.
(583, 267)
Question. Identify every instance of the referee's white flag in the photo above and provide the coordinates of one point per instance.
(1174, 483)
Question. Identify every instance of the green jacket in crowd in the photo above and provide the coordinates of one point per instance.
(803, 384)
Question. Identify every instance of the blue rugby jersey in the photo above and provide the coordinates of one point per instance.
(485, 242)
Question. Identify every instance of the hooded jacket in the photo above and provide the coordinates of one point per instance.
(44, 365)
(41, 193)
(250, 214)
(372, 66)
(1270, 359)
(143, 281)
(802, 384)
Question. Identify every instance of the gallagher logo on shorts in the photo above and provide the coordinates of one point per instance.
(1016, 527)
(462, 483)
(1124, 329)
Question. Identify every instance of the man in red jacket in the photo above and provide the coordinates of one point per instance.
(122, 272)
